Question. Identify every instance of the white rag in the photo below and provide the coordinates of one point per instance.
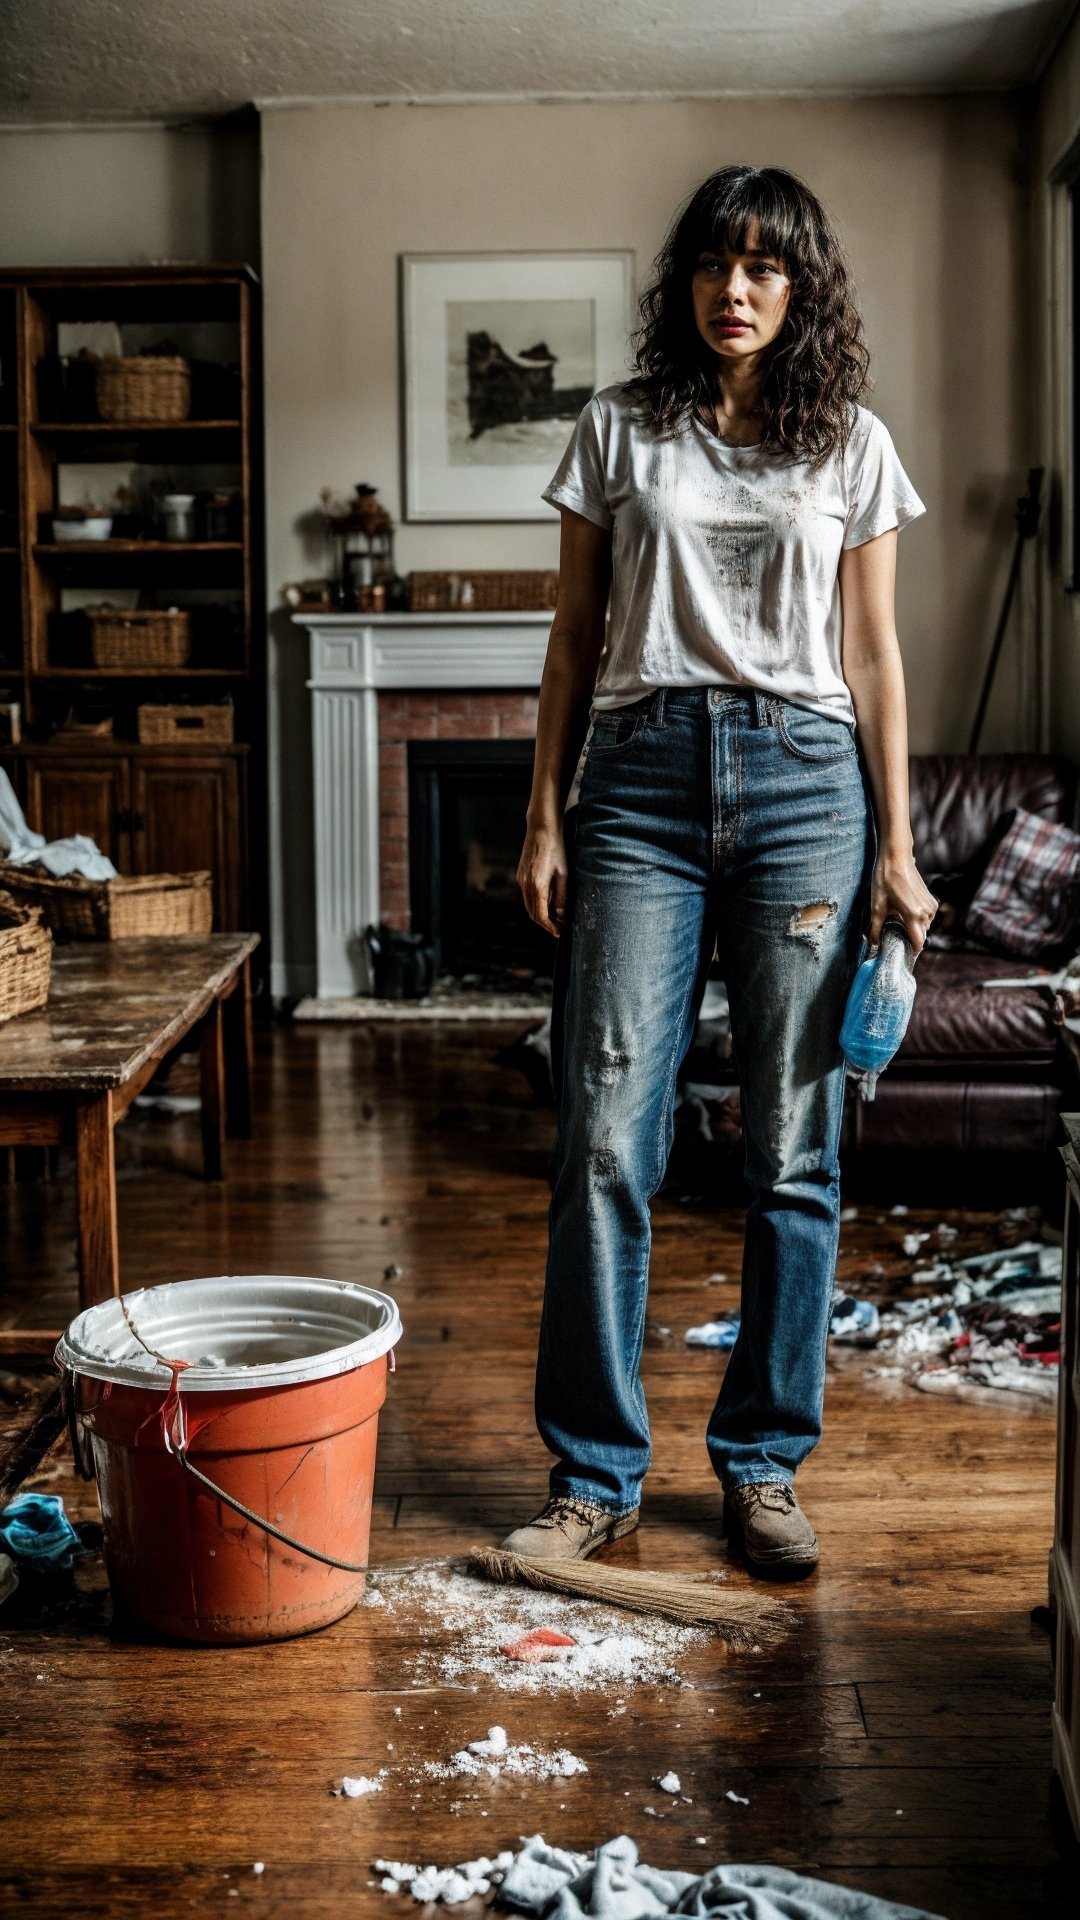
(22, 847)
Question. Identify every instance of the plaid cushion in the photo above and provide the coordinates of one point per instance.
(1026, 900)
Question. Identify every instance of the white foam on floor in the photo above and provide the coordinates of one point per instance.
(464, 1621)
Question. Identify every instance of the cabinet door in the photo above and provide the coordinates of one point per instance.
(80, 792)
(188, 815)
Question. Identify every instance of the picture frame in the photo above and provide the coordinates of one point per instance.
(500, 352)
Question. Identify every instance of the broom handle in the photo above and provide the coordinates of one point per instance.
(29, 1448)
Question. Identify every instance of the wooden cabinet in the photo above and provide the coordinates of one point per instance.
(153, 810)
(187, 812)
(1065, 1560)
(82, 794)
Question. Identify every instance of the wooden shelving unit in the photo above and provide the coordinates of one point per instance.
(152, 807)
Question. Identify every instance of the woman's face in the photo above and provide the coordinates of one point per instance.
(740, 299)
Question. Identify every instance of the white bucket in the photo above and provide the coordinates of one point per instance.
(234, 1330)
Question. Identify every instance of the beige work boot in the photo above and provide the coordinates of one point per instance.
(568, 1529)
(767, 1522)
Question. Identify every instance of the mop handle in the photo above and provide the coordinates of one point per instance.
(346, 1566)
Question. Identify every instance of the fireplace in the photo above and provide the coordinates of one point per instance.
(379, 682)
(467, 801)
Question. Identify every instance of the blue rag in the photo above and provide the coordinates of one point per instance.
(37, 1531)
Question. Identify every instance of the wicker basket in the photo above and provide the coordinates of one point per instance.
(493, 591)
(122, 909)
(25, 958)
(140, 637)
(174, 726)
(148, 387)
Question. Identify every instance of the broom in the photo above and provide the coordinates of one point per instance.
(744, 1620)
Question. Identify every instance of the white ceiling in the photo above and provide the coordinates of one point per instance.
(81, 61)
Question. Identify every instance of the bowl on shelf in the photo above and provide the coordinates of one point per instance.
(93, 526)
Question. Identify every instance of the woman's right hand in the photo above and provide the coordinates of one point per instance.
(541, 876)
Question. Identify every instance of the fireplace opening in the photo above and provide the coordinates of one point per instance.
(467, 802)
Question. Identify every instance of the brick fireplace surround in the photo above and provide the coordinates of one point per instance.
(480, 715)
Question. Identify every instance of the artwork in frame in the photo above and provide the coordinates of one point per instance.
(500, 353)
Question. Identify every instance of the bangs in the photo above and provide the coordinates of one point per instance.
(724, 219)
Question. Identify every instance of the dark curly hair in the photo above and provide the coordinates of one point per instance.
(816, 367)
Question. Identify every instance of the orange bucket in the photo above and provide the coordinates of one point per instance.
(231, 1426)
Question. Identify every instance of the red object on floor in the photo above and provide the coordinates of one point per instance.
(543, 1643)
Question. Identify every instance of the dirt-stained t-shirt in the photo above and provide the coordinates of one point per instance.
(725, 559)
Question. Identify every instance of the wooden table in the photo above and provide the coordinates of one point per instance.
(70, 1072)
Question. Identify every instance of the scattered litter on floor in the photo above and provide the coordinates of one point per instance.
(493, 1757)
(552, 1883)
(451, 1885)
(854, 1323)
(993, 1320)
(721, 1333)
(669, 1783)
(912, 1242)
(357, 1788)
(739, 1799)
(465, 1626)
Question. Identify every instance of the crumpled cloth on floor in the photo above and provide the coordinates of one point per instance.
(22, 847)
(614, 1885)
(35, 1529)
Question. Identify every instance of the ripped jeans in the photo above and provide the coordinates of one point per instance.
(705, 815)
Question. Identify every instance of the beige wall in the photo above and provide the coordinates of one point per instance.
(930, 197)
(1057, 129)
(84, 197)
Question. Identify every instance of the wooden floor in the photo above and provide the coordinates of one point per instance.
(896, 1740)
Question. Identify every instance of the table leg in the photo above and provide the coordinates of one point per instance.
(212, 1088)
(95, 1172)
(238, 1056)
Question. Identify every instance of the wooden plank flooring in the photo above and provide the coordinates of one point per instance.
(896, 1740)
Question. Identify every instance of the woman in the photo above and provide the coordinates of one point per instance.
(742, 510)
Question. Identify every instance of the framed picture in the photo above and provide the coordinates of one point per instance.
(500, 352)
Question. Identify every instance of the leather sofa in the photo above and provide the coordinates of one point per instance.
(979, 1070)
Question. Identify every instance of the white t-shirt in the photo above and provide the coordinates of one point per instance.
(725, 558)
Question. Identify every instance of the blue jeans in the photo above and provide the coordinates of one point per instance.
(706, 816)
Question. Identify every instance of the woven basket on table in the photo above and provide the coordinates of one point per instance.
(129, 907)
(25, 958)
(145, 387)
(140, 636)
(494, 590)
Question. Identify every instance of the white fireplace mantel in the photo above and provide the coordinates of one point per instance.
(355, 657)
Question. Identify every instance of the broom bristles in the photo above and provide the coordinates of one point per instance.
(744, 1620)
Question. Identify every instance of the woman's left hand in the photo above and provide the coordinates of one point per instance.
(899, 892)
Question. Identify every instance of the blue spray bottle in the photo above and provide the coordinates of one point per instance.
(879, 1007)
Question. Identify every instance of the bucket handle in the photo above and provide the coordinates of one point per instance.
(278, 1533)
